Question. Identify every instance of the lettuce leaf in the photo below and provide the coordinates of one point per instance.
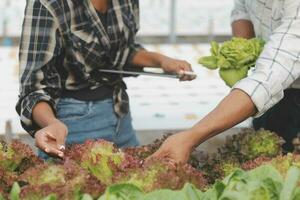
(15, 192)
(210, 62)
(232, 76)
(189, 192)
(131, 192)
(262, 183)
(122, 192)
(290, 184)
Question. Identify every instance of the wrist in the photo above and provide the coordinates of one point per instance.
(192, 138)
(197, 136)
(52, 121)
(160, 60)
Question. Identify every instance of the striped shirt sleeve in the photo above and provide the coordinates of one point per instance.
(239, 11)
(279, 64)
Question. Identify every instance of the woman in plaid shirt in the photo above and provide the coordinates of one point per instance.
(272, 91)
(63, 96)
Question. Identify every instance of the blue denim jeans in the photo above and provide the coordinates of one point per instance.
(94, 120)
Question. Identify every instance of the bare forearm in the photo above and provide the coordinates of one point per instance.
(243, 29)
(43, 114)
(148, 59)
(235, 108)
(52, 136)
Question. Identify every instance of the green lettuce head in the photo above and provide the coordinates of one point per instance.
(234, 58)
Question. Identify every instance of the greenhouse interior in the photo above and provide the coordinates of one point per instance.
(149, 100)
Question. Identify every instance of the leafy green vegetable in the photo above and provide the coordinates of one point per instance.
(113, 166)
(15, 192)
(65, 181)
(155, 174)
(262, 183)
(296, 194)
(131, 192)
(16, 157)
(143, 152)
(269, 176)
(101, 158)
(50, 197)
(122, 192)
(45, 174)
(240, 151)
(290, 184)
(214, 48)
(86, 197)
(232, 76)
(250, 144)
(189, 192)
(234, 58)
(210, 62)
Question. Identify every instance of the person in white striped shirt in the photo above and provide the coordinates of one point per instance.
(271, 93)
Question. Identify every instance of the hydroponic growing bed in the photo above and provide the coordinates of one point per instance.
(250, 166)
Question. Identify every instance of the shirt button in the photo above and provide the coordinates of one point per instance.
(103, 40)
(79, 44)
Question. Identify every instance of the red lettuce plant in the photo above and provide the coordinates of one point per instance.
(144, 152)
(17, 157)
(282, 162)
(156, 173)
(101, 158)
(112, 166)
(66, 180)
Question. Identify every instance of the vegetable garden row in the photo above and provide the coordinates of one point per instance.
(250, 166)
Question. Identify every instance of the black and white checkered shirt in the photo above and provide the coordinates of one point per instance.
(64, 44)
(278, 68)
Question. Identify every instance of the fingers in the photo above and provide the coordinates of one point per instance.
(185, 67)
(53, 151)
(163, 154)
(180, 67)
(187, 76)
(46, 142)
(49, 135)
(157, 154)
(160, 153)
(61, 140)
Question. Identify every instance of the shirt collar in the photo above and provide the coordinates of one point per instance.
(114, 9)
(96, 24)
